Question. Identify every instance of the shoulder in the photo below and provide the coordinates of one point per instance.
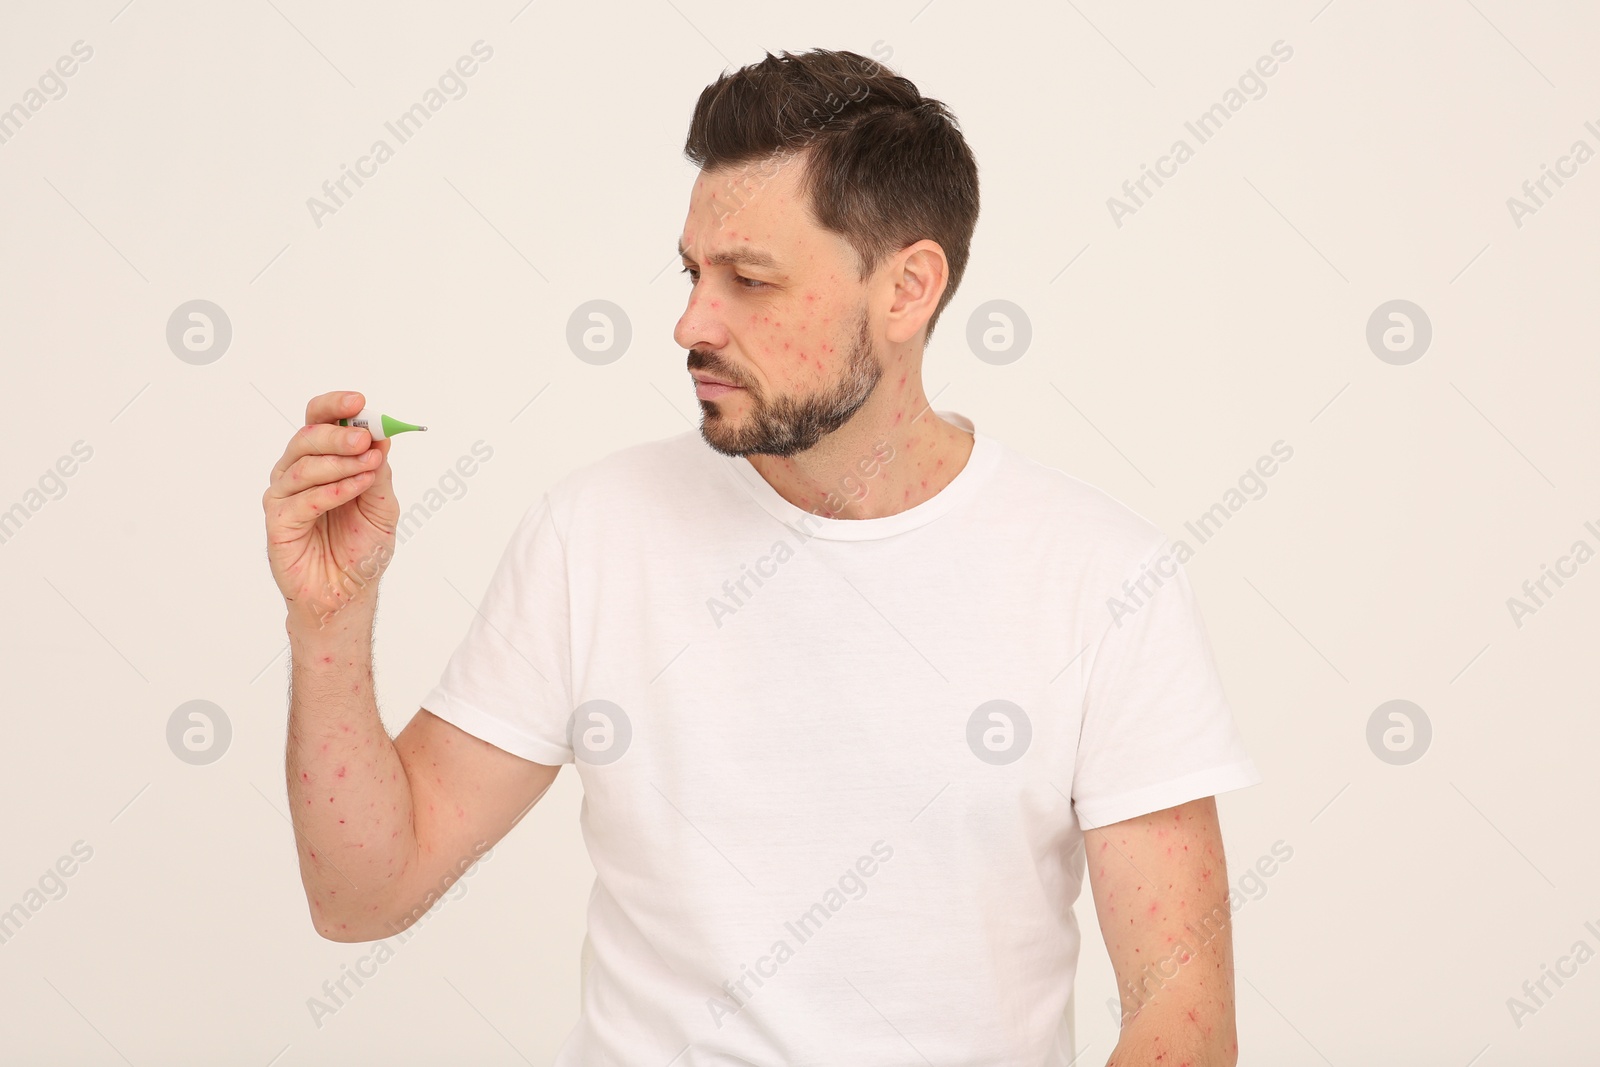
(1081, 516)
(625, 484)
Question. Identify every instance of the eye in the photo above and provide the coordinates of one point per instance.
(694, 276)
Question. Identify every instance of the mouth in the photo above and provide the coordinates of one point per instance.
(712, 388)
(709, 387)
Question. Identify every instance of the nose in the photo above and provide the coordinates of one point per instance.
(700, 326)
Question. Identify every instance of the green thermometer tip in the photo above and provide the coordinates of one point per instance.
(381, 427)
(394, 426)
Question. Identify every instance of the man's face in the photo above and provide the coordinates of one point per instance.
(783, 317)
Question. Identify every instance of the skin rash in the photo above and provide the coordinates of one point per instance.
(1161, 895)
(829, 367)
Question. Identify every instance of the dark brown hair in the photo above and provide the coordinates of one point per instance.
(884, 166)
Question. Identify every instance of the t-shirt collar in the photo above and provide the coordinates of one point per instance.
(980, 464)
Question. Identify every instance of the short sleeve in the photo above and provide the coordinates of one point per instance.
(508, 682)
(1157, 728)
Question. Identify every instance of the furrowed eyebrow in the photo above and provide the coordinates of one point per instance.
(748, 256)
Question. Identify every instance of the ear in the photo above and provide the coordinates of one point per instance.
(919, 274)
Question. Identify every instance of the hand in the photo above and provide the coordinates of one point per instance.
(331, 512)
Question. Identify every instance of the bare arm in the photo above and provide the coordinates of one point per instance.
(384, 827)
(1161, 893)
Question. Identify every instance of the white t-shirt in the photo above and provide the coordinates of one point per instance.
(836, 771)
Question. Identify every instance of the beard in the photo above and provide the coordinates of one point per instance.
(782, 426)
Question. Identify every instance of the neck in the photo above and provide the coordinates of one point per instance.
(893, 454)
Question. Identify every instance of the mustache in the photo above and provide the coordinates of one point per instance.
(709, 364)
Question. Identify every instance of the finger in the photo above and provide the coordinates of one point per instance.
(323, 438)
(295, 513)
(330, 407)
(382, 488)
(320, 469)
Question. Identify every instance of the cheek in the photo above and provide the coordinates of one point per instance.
(794, 343)
(774, 335)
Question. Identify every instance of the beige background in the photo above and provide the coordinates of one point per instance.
(1228, 313)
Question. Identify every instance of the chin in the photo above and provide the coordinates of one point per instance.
(713, 434)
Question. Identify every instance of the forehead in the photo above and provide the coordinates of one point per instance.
(749, 211)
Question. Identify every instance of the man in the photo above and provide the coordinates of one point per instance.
(837, 670)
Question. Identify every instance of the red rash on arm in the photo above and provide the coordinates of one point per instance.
(1173, 954)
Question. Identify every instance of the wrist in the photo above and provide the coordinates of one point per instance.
(313, 636)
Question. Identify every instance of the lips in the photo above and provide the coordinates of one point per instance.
(706, 379)
(710, 389)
